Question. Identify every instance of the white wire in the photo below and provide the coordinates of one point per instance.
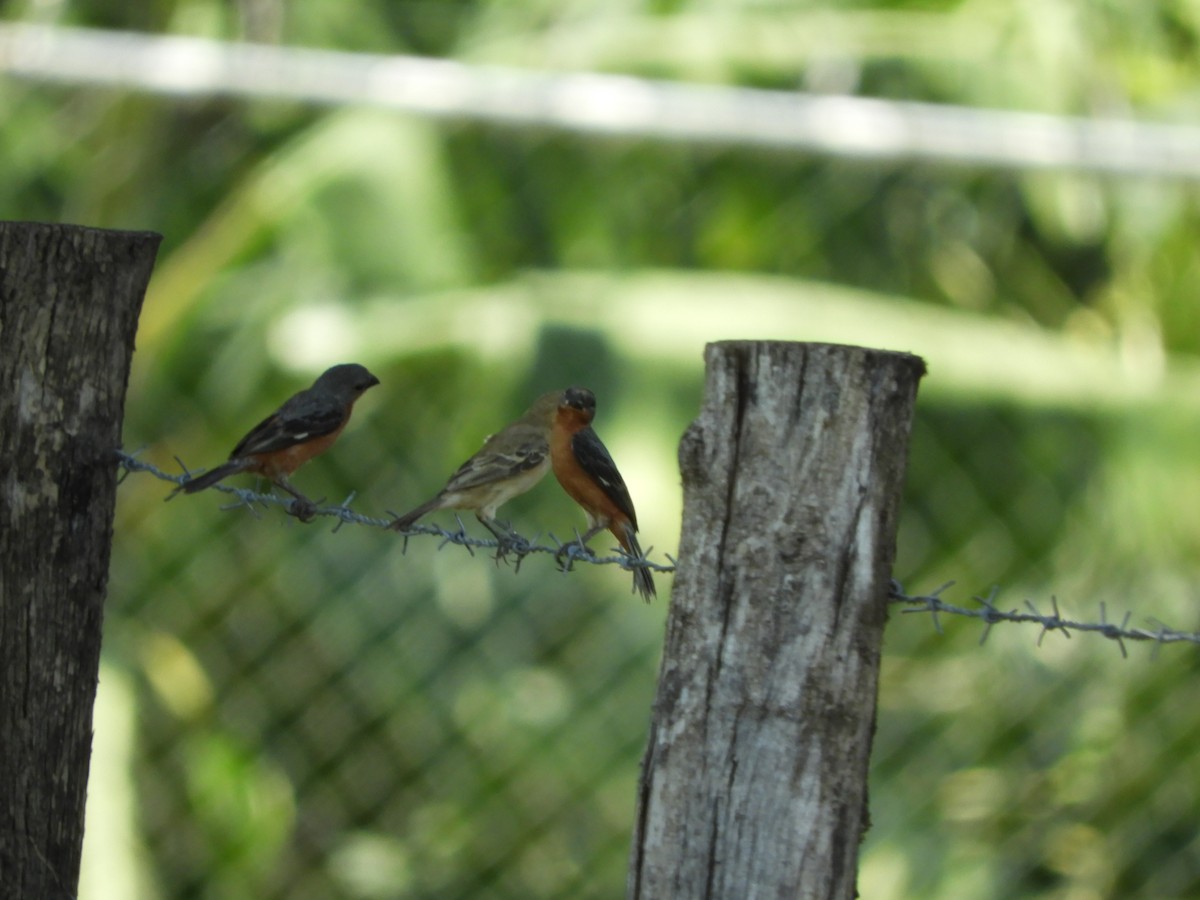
(601, 104)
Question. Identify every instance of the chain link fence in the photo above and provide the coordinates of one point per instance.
(295, 710)
(321, 711)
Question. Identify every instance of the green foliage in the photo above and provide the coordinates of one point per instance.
(320, 715)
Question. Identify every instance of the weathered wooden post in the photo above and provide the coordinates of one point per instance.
(69, 304)
(754, 779)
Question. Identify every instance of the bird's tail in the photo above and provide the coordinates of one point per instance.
(211, 477)
(643, 582)
(407, 520)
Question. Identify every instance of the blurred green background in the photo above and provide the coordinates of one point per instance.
(291, 713)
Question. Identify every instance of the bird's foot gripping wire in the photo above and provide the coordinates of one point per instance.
(567, 553)
(302, 508)
(508, 541)
(514, 545)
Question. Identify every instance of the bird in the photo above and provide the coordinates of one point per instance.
(587, 473)
(509, 463)
(305, 426)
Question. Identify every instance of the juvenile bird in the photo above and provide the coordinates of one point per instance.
(588, 474)
(510, 462)
(306, 425)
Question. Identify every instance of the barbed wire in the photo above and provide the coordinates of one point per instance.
(569, 552)
(990, 614)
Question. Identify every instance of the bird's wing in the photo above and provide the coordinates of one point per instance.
(302, 418)
(593, 457)
(499, 463)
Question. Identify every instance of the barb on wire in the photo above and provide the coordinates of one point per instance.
(990, 614)
(567, 553)
(516, 546)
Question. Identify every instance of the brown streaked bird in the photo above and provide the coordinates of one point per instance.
(305, 426)
(509, 463)
(588, 474)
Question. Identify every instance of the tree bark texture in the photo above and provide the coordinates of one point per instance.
(69, 304)
(754, 779)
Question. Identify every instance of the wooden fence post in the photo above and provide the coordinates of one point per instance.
(69, 304)
(754, 779)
